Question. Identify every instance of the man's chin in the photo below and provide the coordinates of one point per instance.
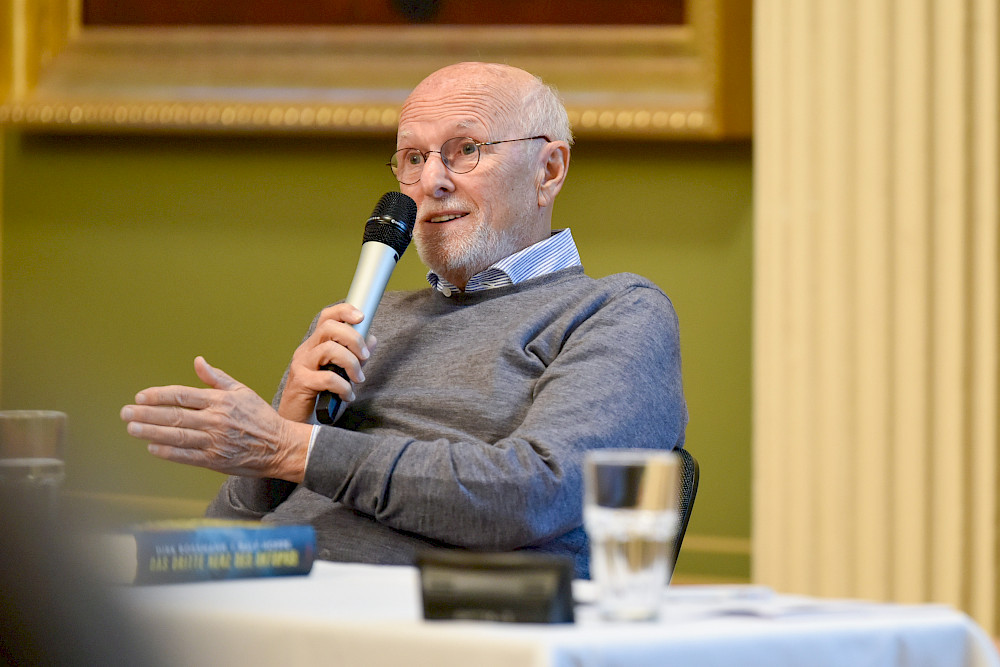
(434, 259)
(454, 271)
(463, 254)
(439, 252)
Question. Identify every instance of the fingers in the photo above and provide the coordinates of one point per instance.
(337, 344)
(166, 423)
(298, 399)
(174, 436)
(335, 324)
(185, 427)
(185, 397)
(190, 397)
(342, 312)
(330, 380)
(372, 343)
(212, 376)
(333, 353)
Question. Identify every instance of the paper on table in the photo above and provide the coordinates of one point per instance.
(586, 592)
(699, 601)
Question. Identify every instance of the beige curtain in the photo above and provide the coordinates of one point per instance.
(876, 322)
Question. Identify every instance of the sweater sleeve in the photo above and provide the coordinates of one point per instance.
(614, 381)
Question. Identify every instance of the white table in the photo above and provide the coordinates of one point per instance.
(370, 615)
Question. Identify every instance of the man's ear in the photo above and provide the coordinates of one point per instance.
(554, 165)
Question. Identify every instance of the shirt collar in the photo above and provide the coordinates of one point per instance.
(557, 252)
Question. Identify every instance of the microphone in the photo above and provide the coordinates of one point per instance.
(387, 233)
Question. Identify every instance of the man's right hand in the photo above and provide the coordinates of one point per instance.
(333, 341)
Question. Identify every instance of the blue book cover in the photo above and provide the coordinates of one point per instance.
(163, 552)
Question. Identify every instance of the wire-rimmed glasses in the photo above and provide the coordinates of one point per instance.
(460, 155)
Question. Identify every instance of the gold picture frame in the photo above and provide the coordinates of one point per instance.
(689, 81)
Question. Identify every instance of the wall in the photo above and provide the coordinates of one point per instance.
(124, 257)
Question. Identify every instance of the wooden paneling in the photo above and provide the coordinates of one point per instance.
(349, 12)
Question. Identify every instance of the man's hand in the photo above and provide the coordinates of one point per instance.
(333, 341)
(227, 428)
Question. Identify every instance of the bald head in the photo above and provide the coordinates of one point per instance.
(518, 102)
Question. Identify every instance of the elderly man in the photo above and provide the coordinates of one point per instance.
(467, 428)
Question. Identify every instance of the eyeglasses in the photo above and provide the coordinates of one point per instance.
(459, 154)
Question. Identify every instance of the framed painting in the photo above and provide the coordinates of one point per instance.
(664, 69)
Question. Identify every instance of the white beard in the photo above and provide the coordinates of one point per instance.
(464, 255)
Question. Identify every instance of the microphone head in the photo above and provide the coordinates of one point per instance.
(392, 222)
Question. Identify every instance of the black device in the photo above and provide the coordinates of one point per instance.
(514, 587)
(387, 233)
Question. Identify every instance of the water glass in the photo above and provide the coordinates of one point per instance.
(32, 446)
(631, 518)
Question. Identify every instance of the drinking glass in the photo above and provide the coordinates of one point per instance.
(631, 517)
(32, 446)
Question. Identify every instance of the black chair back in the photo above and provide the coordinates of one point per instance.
(687, 490)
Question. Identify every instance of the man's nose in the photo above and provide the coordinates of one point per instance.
(435, 177)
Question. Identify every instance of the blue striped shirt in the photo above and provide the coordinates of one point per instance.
(554, 253)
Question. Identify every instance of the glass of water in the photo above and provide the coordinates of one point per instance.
(631, 516)
(32, 446)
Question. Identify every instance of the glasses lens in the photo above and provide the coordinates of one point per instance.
(406, 164)
(460, 154)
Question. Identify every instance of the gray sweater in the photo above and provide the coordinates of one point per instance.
(471, 426)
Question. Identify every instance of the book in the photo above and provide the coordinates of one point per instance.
(163, 552)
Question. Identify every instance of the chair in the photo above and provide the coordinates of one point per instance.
(686, 490)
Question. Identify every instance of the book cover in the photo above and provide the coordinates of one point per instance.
(163, 552)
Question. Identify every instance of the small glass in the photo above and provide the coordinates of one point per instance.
(32, 446)
(631, 516)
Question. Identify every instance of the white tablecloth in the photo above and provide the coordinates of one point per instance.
(369, 615)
